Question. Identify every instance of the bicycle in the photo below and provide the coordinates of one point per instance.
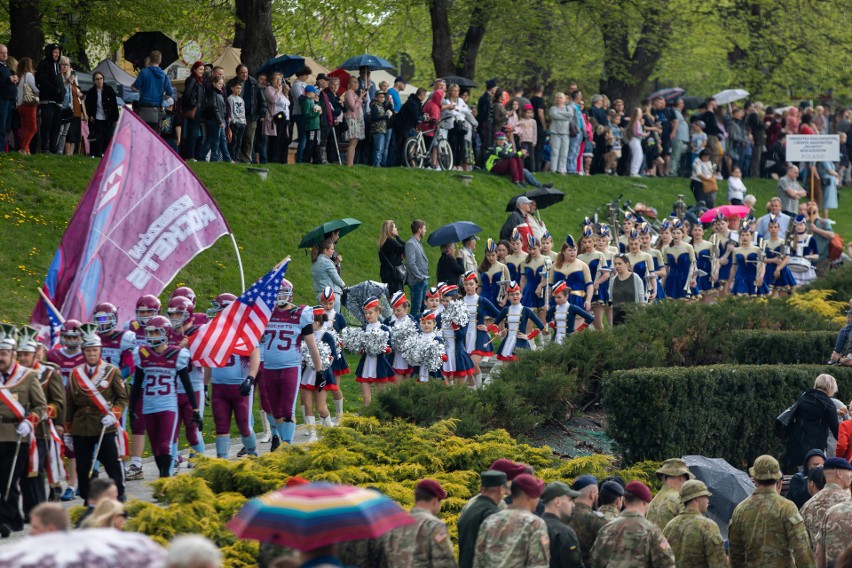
(417, 155)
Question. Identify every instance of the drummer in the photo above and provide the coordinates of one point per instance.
(803, 252)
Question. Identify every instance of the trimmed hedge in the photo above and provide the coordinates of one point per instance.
(720, 410)
(760, 347)
(839, 280)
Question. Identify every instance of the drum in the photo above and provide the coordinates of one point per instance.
(799, 264)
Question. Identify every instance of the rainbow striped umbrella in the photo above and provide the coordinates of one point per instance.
(314, 515)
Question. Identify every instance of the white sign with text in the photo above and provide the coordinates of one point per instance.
(810, 148)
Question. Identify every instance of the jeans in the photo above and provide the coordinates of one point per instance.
(303, 138)
(6, 108)
(418, 296)
(391, 149)
(677, 152)
(574, 153)
(260, 144)
(237, 131)
(192, 132)
(215, 142)
(530, 179)
(379, 146)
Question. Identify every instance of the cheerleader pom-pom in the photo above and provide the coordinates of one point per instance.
(408, 348)
(324, 354)
(402, 330)
(375, 342)
(433, 355)
(456, 314)
(353, 339)
(335, 338)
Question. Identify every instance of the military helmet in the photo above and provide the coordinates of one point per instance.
(27, 339)
(693, 489)
(90, 337)
(8, 336)
(765, 468)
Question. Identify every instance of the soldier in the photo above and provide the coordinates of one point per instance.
(558, 499)
(833, 537)
(96, 399)
(48, 439)
(632, 540)
(585, 521)
(515, 538)
(695, 539)
(610, 500)
(512, 470)
(493, 486)
(838, 476)
(22, 404)
(426, 543)
(666, 504)
(766, 529)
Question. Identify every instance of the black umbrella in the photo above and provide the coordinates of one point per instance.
(544, 197)
(141, 44)
(462, 82)
(729, 487)
(454, 232)
(287, 65)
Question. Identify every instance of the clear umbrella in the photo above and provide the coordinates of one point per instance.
(730, 95)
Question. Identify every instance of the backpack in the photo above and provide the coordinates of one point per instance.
(835, 247)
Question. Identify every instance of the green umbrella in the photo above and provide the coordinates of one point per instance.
(316, 235)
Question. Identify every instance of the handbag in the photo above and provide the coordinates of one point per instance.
(29, 98)
(400, 272)
(709, 185)
(784, 421)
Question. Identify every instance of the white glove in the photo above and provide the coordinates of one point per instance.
(68, 441)
(108, 420)
(24, 428)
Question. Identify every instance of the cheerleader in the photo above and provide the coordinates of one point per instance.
(602, 239)
(516, 316)
(747, 272)
(373, 369)
(477, 342)
(401, 307)
(575, 273)
(778, 276)
(433, 300)
(561, 315)
(804, 252)
(491, 273)
(340, 367)
(597, 263)
(659, 266)
(703, 263)
(315, 385)
(514, 260)
(680, 260)
(532, 282)
(547, 247)
(627, 225)
(458, 365)
(721, 239)
(427, 331)
(642, 263)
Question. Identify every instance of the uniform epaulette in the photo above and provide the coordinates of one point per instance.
(144, 351)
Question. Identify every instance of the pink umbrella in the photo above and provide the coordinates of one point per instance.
(727, 210)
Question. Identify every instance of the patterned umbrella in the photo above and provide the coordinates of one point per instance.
(311, 516)
(669, 94)
(92, 548)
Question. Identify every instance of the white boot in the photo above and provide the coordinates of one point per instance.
(338, 407)
(267, 432)
(477, 380)
(311, 421)
(326, 421)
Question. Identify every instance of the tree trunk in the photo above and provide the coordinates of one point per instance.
(253, 32)
(480, 14)
(442, 43)
(27, 38)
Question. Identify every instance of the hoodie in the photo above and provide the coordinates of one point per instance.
(51, 85)
(432, 109)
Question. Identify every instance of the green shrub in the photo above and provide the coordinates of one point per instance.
(838, 280)
(760, 347)
(721, 410)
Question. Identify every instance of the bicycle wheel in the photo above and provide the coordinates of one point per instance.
(413, 158)
(445, 155)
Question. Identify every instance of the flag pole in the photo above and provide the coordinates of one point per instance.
(239, 261)
(50, 305)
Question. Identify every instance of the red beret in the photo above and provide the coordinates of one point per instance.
(529, 485)
(510, 468)
(432, 487)
(295, 481)
(639, 490)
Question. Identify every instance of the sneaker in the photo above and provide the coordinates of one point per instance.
(276, 441)
(547, 186)
(242, 453)
(266, 438)
(178, 461)
(68, 495)
(134, 472)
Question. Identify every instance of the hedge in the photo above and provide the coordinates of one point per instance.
(720, 410)
(761, 347)
(839, 280)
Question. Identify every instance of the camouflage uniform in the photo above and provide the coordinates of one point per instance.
(696, 541)
(835, 530)
(817, 506)
(423, 544)
(767, 531)
(631, 541)
(665, 506)
(364, 553)
(587, 524)
(609, 512)
(512, 539)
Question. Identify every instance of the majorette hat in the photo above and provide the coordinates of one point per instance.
(513, 286)
(719, 217)
(428, 315)
(546, 235)
(398, 299)
(469, 275)
(433, 292)
(634, 234)
(318, 311)
(490, 246)
(371, 302)
(569, 240)
(533, 242)
(450, 290)
(560, 286)
(327, 294)
(516, 234)
(644, 228)
(587, 221)
(588, 231)
(603, 230)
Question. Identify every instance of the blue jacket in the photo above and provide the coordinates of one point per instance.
(153, 86)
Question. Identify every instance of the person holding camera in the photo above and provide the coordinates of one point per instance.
(821, 232)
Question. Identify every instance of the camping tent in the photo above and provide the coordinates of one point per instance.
(113, 74)
(316, 67)
(228, 61)
(382, 75)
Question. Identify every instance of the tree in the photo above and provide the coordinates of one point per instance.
(27, 36)
(462, 62)
(253, 32)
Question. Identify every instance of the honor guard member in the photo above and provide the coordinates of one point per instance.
(493, 486)
(838, 475)
(116, 344)
(666, 504)
(585, 521)
(631, 539)
(558, 499)
(767, 529)
(695, 539)
(48, 440)
(515, 538)
(610, 499)
(22, 404)
(426, 543)
(96, 399)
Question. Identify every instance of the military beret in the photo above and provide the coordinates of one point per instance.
(613, 487)
(836, 463)
(584, 481)
(432, 487)
(493, 478)
(639, 490)
(510, 468)
(558, 489)
(529, 485)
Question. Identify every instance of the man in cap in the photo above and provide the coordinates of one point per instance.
(493, 487)
(838, 476)
(631, 539)
(22, 405)
(766, 529)
(515, 538)
(585, 521)
(467, 254)
(695, 539)
(666, 504)
(610, 499)
(518, 217)
(833, 536)
(558, 499)
(425, 543)
(797, 491)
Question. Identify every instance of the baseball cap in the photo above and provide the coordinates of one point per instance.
(523, 200)
(558, 489)
(639, 490)
(432, 487)
(765, 468)
(584, 481)
(529, 485)
(311, 89)
(510, 468)
(836, 463)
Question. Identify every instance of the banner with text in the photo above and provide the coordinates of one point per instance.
(810, 148)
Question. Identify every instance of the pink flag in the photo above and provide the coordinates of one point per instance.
(143, 217)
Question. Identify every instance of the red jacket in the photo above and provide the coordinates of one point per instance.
(844, 440)
(432, 108)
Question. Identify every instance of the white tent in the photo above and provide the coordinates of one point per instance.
(114, 74)
(381, 75)
(228, 61)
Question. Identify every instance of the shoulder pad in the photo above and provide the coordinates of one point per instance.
(144, 351)
(134, 325)
(172, 351)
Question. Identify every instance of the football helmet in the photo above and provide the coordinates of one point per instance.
(70, 335)
(285, 294)
(106, 316)
(186, 292)
(221, 302)
(147, 307)
(157, 330)
(179, 310)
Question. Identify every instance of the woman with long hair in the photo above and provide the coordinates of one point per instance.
(627, 288)
(324, 272)
(108, 514)
(491, 273)
(680, 260)
(27, 106)
(72, 109)
(353, 104)
(575, 273)
(191, 105)
(391, 254)
(102, 107)
(596, 260)
(634, 133)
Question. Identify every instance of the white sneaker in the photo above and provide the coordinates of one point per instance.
(266, 438)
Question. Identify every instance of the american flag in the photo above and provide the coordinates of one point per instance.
(238, 328)
(56, 320)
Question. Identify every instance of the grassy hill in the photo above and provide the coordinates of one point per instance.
(38, 195)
